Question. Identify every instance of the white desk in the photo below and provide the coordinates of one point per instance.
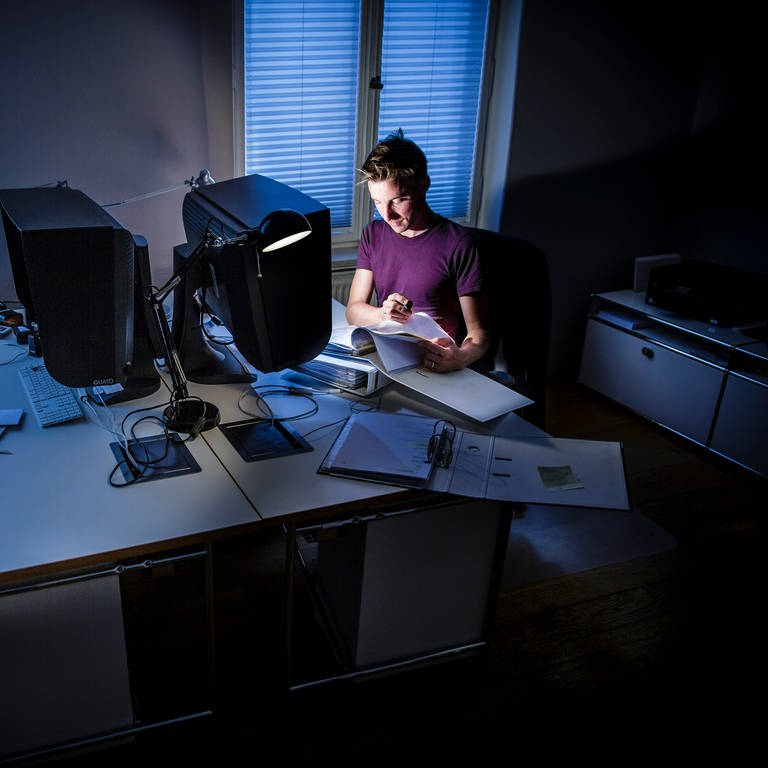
(402, 561)
(65, 535)
(60, 516)
(58, 510)
(289, 487)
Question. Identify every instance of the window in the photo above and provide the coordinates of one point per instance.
(323, 80)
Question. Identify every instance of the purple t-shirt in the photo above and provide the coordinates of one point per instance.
(432, 270)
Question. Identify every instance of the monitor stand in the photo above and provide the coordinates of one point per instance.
(203, 361)
(205, 364)
(142, 378)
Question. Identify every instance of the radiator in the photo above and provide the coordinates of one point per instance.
(340, 282)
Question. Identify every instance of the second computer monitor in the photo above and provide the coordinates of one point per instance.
(276, 304)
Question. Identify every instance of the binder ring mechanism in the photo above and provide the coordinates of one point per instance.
(440, 446)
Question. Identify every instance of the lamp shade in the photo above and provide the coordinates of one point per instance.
(282, 227)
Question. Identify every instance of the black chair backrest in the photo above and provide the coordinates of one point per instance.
(516, 281)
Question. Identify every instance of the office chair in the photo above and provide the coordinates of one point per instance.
(516, 280)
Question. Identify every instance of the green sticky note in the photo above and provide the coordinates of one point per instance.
(559, 478)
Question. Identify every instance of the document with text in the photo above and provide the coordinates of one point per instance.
(396, 343)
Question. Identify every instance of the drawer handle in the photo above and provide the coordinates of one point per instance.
(647, 352)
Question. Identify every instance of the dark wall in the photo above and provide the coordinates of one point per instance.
(636, 128)
(719, 209)
(633, 134)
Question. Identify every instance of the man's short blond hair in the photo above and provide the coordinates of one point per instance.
(395, 158)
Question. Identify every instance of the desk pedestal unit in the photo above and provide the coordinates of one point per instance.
(67, 646)
(407, 585)
(70, 681)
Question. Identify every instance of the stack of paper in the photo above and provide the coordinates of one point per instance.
(397, 357)
(396, 343)
(341, 342)
(346, 372)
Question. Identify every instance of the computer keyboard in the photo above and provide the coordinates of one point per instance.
(52, 402)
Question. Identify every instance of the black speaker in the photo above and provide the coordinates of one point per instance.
(81, 282)
(74, 265)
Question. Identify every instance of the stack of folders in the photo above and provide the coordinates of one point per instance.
(347, 372)
(341, 343)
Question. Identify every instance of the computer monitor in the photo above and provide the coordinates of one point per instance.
(276, 304)
(81, 278)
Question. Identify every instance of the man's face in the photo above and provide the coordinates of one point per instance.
(401, 206)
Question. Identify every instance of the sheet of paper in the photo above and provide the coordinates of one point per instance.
(419, 325)
(546, 470)
(10, 417)
(515, 472)
(559, 478)
(398, 353)
(467, 392)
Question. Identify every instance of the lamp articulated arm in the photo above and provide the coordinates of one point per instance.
(156, 299)
(184, 414)
(277, 230)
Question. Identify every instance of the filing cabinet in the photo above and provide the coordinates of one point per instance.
(706, 383)
(741, 429)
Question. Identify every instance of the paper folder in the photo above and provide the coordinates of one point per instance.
(394, 448)
(352, 374)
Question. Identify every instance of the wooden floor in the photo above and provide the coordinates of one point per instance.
(662, 656)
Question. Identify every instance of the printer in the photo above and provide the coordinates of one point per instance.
(705, 290)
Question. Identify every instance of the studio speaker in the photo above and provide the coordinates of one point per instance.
(73, 267)
(81, 284)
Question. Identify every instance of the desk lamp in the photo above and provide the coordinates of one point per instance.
(277, 229)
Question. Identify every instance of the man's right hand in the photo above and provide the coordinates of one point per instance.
(396, 307)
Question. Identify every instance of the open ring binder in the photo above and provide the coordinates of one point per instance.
(396, 449)
(419, 452)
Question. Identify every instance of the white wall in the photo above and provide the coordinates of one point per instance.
(110, 96)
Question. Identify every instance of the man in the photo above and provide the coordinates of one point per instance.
(417, 260)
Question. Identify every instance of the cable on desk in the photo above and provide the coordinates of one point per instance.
(22, 352)
(265, 412)
(117, 432)
(354, 407)
(135, 452)
(204, 310)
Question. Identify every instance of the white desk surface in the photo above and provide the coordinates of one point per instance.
(57, 509)
(290, 486)
(56, 504)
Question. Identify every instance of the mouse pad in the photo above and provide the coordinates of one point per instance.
(157, 457)
(256, 440)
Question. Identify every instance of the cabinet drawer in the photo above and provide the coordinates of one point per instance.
(672, 389)
(741, 431)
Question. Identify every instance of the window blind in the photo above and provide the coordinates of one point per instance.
(432, 69)
(300, 78)
(301, 69)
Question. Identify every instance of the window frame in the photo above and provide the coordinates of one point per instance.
(345, 244)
